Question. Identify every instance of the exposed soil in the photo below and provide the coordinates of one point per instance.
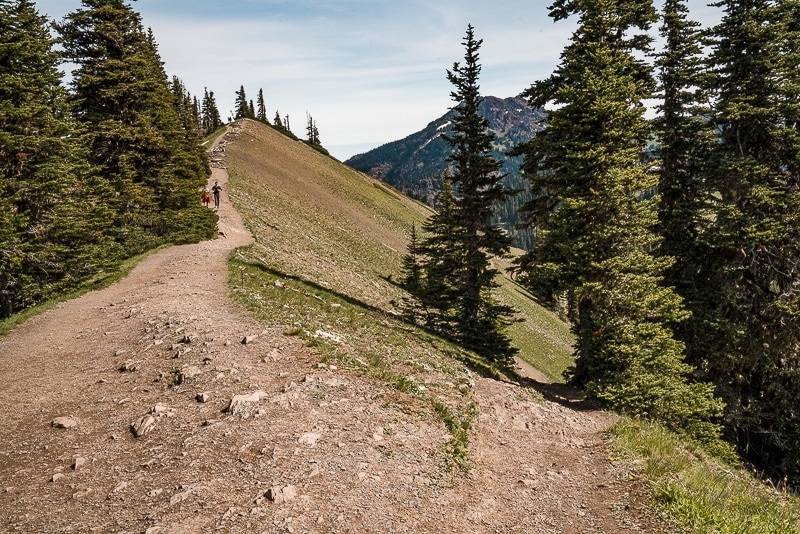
(318, 449)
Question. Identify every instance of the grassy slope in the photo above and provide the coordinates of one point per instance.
(348, 233)
(329, 242)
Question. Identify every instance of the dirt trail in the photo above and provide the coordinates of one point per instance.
(338, 449)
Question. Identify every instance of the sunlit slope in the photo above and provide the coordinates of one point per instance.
(319, 221)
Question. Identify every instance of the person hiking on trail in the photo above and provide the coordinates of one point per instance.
(206, 198)
(216, 189)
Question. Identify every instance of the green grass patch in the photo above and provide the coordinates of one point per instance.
(543, 339)
(700, 493)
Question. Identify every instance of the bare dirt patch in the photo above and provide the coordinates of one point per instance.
(310, 447)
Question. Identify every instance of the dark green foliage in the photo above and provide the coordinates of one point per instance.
(52, 218)
(261, 114)
(210, 120)
(461, 238)
(312, 131)
(750, 309)
(241, 105)
(594, 215)
(135, 136)
(686, 140)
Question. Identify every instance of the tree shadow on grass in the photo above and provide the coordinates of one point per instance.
(317, 287)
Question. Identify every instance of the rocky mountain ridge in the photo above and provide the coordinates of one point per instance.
(416, 163)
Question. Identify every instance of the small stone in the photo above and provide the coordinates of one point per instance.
(280, 495)
(78, 463)
(129, 366)
(64, 422)
(180, 497)
(244, 405)
(57, 476)
(82, 493)
(190, 371)
(159, 409)
(249, 339)
(309, 438)
(203, 397)
(143, 426)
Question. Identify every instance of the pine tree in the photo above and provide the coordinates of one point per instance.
(751, 309)
(311, 130)
(439, 263)
(459, 278)
(277, 121)
(123, 100)
(261, 114)
(210, 119)
(594, 220)
(686, 139)
(242, 108)
(51, 210)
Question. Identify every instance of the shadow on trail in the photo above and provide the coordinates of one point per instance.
(563, 394)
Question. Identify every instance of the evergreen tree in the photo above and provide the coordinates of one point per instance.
(594, 220)
(277, 121)
(251, 113)
(751, 311)
(135, 136)
(242, 108)
(439, 263)
(311, 130)
(210, 119)
(686, 139)
(261, 114)
(461, 238)
(51, 210)
(186, 107)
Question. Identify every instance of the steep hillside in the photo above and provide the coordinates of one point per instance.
(415, 164)
(161, 405)
(348, 233)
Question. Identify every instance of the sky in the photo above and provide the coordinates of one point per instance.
(367, 71)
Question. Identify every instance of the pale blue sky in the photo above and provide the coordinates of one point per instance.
(368, 71)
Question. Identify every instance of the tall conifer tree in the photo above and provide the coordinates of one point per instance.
(686, 138)
(261, 113)
(241, 105)
(462, 238)
(209, 113)
(751, 313)
(595, 220)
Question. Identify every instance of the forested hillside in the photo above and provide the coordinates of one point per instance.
(97, 172)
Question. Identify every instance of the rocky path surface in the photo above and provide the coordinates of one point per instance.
(157, 405)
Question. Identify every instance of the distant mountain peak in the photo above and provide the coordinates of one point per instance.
(416, 163)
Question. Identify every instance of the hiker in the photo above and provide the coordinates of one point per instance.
(216, 189)
(206, 198)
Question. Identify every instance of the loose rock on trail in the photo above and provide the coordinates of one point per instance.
(138, 408)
